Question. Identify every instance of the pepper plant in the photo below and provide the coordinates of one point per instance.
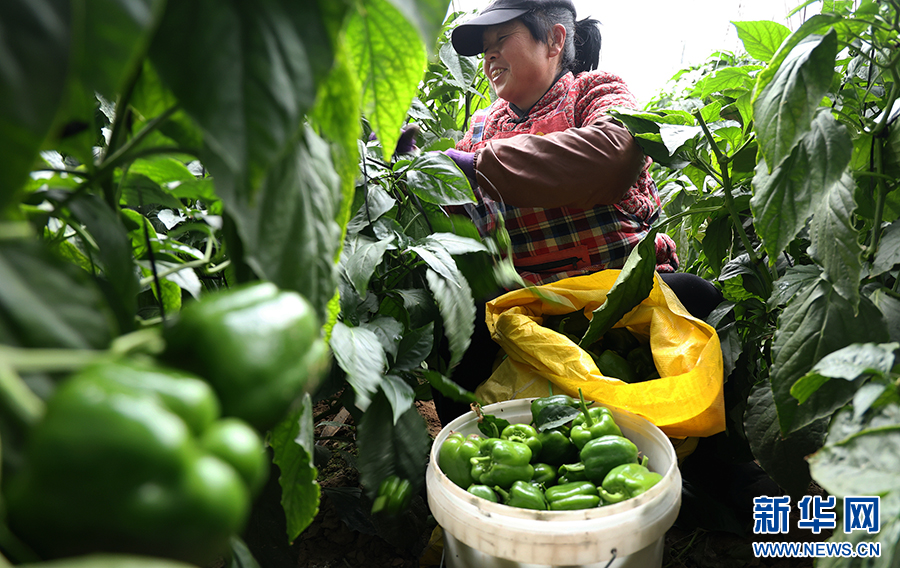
(156, 152)
(780, 179)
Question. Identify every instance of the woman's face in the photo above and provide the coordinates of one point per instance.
(520, 68)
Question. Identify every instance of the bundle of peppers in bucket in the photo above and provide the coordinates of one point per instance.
(570, 457)
(618, 353)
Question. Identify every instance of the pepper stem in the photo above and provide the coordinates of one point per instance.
(584, 409)
(611, 497)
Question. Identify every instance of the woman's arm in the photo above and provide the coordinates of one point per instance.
(578, 167)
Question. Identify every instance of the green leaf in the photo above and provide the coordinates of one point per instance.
(388, 447)
(818, 23)
(888, 255)
(717, 241)
(848, 363)
(360, 354)
(730, 80)
(795, 280)
(35, 46)
(415, 345)
(435, 178)
(888, 302)
(390, 59)
(785, 197)
(292, 445)
(241, 557)
(454, 244)
(113, 251)
(287, 225)
(389, 332)
(860, 457)
(782, 457)
(426, 15)
(139, 190)
(817, 322)
(399, 394)
(761, 39)
(47, 303)
(675, 136)
(457, 308)
(833, 239)
(249, 94)
(631, 287)
(463, 70)
(785, 108)
(360, 265)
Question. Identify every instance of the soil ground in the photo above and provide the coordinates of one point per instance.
(343, 536)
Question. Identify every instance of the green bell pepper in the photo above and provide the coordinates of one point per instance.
(571, 496)
(626, 481)
(258, 346)
(130, 457)
(591, 424)
(544, 474)
(523, 495)
(525, 434)
(484, 492)
(601, 455)
(570, 472)
(501, 463)
(557, 447)
(641, 360)
(611, 364)
(454, 457)
(393, 497)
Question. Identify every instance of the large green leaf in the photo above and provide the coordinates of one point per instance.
(786, 107)
(783, 458)
(888, 255)
(457, 307)
(786, 196)
(817, 24)
(360, 264)
(48, 303)
(292, 445)
(833, 239)
(817, 322)
(435, 178)
(361, 355)
(34, 60)
(287, 226)
(389, 447)
(631, 287)
(888, 302)
(849, 364)
(861, 455)
(761, 39)
(247, 75)
(390, 59)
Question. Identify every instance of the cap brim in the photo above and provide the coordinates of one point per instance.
(468, 38)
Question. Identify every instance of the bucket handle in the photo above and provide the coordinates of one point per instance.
(613, 559)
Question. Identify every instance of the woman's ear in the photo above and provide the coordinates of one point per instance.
(557, 39)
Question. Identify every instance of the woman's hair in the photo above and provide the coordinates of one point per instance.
(582, 49)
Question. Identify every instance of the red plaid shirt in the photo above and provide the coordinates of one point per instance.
(555, 243)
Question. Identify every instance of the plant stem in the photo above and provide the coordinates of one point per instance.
(723, 161)
(880, 197)
(16, 398)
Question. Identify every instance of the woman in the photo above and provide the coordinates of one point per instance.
(570, 181)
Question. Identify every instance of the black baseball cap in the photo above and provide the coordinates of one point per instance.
(467, 38)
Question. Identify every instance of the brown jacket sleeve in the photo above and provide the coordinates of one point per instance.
(578, 167)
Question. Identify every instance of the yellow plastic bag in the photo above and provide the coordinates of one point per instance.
(686, 401)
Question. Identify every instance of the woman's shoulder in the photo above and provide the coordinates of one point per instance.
(603, 89)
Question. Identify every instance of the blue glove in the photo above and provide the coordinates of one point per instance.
(465, 161)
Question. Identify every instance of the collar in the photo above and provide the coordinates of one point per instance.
(522, 115)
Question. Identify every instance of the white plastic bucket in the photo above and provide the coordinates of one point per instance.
(481, 534)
